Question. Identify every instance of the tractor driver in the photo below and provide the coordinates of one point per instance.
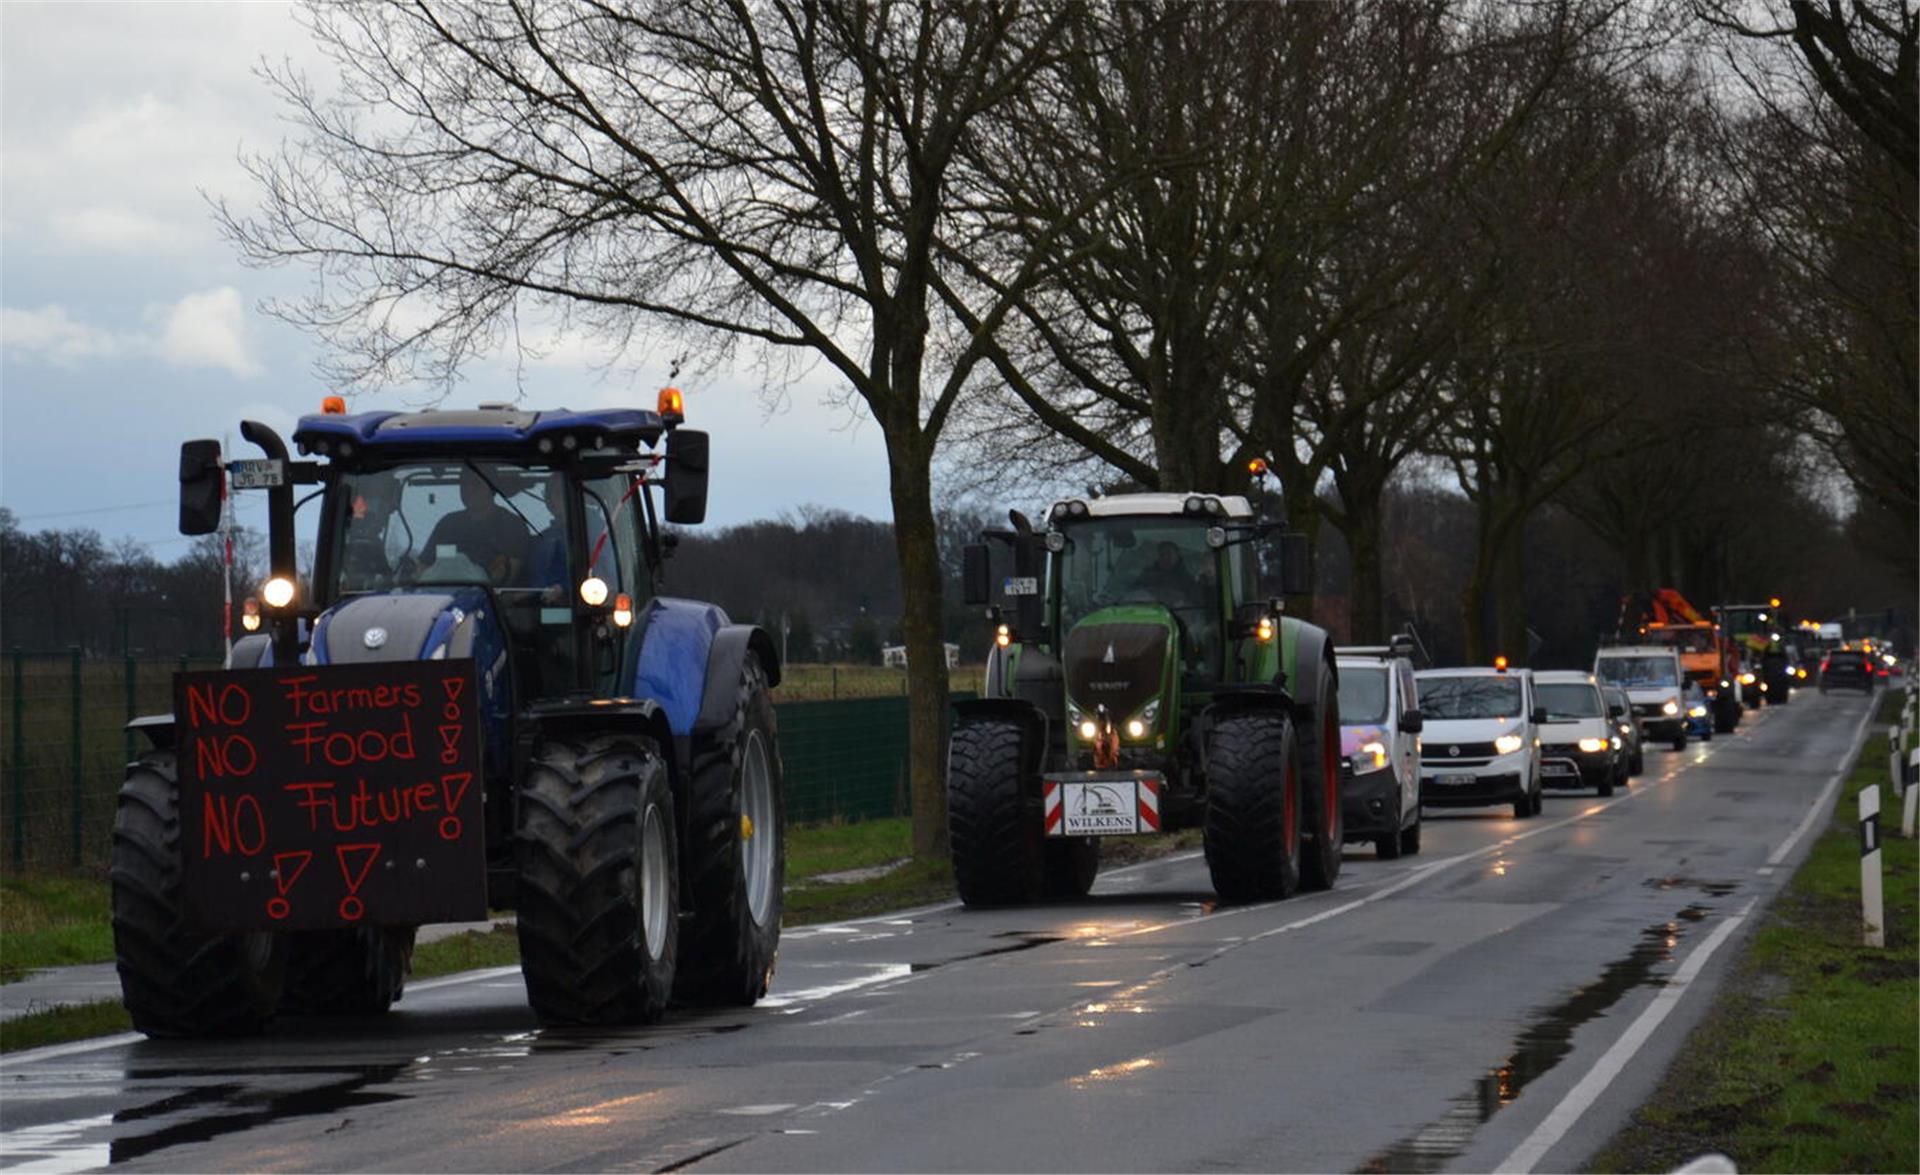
(1169, 580)
(1167, 577)
(483, 531)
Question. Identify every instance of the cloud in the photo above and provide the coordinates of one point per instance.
(118, 230)
(208, 329)
(48, 332)
(202, 330)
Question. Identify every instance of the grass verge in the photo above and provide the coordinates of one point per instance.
(53, 921)
(1808, 1061)
(74, 906)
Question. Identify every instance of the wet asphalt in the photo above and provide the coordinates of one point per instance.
(1426, 1014)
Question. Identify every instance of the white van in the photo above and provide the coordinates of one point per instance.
(1480, 743)
(1651, 676)
(1380, 724)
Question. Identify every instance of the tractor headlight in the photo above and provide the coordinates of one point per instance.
(1136, 728)
(1507, 744)
(593, 591)
(1370, 757)
(277, 592)
(1089, 729)
(1593, 746)
(1143, 719)
(1056, 541)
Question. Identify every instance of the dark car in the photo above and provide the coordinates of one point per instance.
(1848, 669)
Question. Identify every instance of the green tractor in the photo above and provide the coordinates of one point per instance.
(1145, 680)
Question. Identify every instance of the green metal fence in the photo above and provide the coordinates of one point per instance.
(64, 748)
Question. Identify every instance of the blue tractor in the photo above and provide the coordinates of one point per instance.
(476, 699)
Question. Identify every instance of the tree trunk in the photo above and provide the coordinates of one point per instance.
(1511, 598)
(1363, 545)
(916, 544)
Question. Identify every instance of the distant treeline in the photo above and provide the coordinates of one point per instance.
(825, 583)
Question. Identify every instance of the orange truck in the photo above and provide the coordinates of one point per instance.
(1707, 654)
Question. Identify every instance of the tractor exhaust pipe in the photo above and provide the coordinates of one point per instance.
(280, 547)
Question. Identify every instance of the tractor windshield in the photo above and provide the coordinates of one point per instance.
(1141, 560)
(496, 524)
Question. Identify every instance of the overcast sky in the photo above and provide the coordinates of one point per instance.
(127, 325)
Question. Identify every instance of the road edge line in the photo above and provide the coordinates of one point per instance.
(1571, 1108)
(1779, 855)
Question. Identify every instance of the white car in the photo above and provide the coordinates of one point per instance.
(1578, 744)
(1651, 676)
(1380, 724)
(1480, 743)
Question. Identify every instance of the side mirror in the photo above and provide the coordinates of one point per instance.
(1412, 721)
(976, 580)
(686, 493)
(200, 478)
(1539, 716)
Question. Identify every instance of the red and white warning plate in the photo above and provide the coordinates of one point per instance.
(1102, 803)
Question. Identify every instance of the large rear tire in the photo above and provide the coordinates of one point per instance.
(1252, 833)
(1319, 749)
(599, 909)
(359, 970)
(176, 982)
(736, 856)
(996, 839)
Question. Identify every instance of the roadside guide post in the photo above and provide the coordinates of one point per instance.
(1872, 917)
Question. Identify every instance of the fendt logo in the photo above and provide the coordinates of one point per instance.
(1108, 686)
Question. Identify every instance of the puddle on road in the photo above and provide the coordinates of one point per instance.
(1717, 889)
(1538, 1048)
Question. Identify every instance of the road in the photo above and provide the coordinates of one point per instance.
(1504, 998)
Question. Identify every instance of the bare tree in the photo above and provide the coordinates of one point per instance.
(768, 173)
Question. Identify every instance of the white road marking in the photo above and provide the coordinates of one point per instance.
(1581, 1097)
(1826, 794)
(760, 1110)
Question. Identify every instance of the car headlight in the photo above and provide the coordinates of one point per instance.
(1696, 712)
(1615, 742)
(1746, 679)
(1593, 746)
(1670, 707)
(1370, 757)
(1507, 744)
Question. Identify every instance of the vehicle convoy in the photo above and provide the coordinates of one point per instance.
(1651, 676)
(1578, 747)
(476, 700)
(1481, 741)
(1709, 654)
(1145, 679)
(1380, 724)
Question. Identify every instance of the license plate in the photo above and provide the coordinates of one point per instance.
(1557, 769)
(261, 474)
(1102, 804)
(1456, 780)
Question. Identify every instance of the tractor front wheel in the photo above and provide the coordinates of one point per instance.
(176, 982)
(343, 972)
(1252, 833)
(997, 854)
(1071, 865)
(599, 908)
(736, 856)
